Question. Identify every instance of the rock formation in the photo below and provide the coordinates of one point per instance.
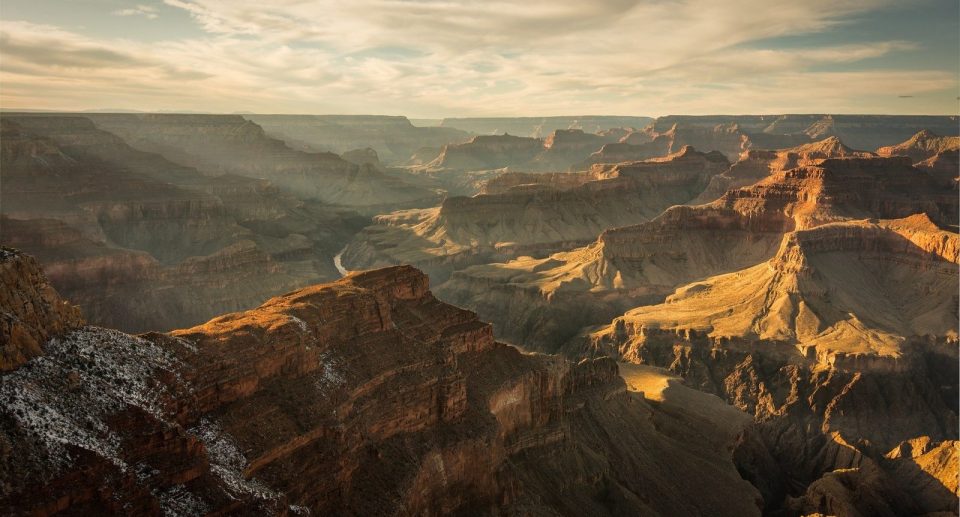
(395, 139)
(543, 301)
(221, 144)
(756, 164)
(780, 131)
(552, 213)
(939, 155)
(366, 397)
(32, 311)
(539, 127)
(142, 243)
(844, 348)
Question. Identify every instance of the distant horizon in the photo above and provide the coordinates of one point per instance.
(408, 117)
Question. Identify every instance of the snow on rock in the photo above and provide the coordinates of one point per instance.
(228, 463)
(63, 399)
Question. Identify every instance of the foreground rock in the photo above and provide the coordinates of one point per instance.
(367, 396)
(529, 214)
(33, 311)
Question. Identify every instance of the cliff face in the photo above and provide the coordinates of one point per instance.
(143, 243)
(754, 165)
(33, 312)
(228, 144)
(544, 301)
(779, 131)
(367, 396)
(394, 139)
(938, 155)
(539, 218)
(843, 347)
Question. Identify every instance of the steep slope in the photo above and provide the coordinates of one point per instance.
(534, 218)
(32, 312)
(939, 155)
(363, 397)
(780, 131)
(843, 346)
(220, 144)
(395, 139)
(143, 243)
(754, 165)
(541, 302)
(563, 149)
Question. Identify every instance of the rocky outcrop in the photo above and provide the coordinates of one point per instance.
(532, 219)
(754, 165)
(367, 396)
(544, 301)
(939, 155)
(843, 347)
(31, 311)
(780, 131)
(394, 139)
(563, 149)
(142, 243)
(488, 152)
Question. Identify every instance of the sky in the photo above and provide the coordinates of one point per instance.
(443, 58)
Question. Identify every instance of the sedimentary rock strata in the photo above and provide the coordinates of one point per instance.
(543, 301)
(143, 243)
(553, 213)
(219, 144)
(395, 139)
(367, 396)
(843, 346)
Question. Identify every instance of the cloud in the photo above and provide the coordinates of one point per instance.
(471, 57)
(140, 10)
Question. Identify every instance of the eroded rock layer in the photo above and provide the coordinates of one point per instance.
(363, 397)
(551, 213)
(142, 243)
(543, 301)
(843, 347)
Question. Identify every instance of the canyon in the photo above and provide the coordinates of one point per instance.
(538, 214)
(233, 314)
(367, 394)
(544, 301)
(143, 243)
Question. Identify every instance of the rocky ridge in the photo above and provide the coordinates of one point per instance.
(554, 212)
(143, 243)
(843, 347)
(367, 396)
(544, 301)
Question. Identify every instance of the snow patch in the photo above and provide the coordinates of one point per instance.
(228, 463)
(177, 501)
(63, 398)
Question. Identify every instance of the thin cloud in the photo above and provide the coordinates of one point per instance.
(140, 10)
(428, 59)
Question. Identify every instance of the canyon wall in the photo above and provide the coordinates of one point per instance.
(367, 397)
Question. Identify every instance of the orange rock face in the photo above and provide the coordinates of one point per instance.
(367, 396)
(32, 311)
